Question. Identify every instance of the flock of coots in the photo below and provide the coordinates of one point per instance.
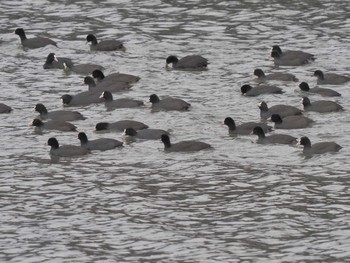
(287, 116)
(101, 89)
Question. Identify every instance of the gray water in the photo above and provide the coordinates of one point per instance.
(240, 202)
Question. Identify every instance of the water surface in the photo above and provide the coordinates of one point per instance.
(240, 202)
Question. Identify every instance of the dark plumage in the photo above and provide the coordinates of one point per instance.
(291, 54)
(192, 62)
(83, 69)
(53, 125)
(291, 122)
(274, 138)
(183, 146)
(36, 42)
(145, 134)
(101, 144)
(53, 62)
(248, 90)
(120, 125)
(273, 76)
(287, 61)
(280, 109)
(244, 128)
(321, 91)
(81, 99)
(321, 105)
(104, 45)
(318, 148)
(119, 103)
(90, 82)
(168, 103)
(114, 77)
(4, 108)
(105, 86)
(58, 115)
(65, 150)
(330, 78)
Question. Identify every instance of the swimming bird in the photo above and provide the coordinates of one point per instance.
(36, 42)
(274, 138)
(291, 122)
(293, 53)
(105, 86)
(183, 146)
(101, 144)
(244, 128)
(145, 134)
(81, 99)
(330, 78)
(65, 150)
(90, 82)
(120, 125)
(191, 62)
(321, 105)
(82, 69)
(104, 45)
(287, 61)
(318, 148)
(114, 77)
(53, 62)
(273, 76)
(119, 103)
(4, 108)
(249, 91)
(316, 90)
(168, 103)
(282, 110)
(53, 125)
(58, 115)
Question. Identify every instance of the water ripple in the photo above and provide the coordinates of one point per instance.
(239, 202)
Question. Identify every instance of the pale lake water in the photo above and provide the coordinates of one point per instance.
(239, 202)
